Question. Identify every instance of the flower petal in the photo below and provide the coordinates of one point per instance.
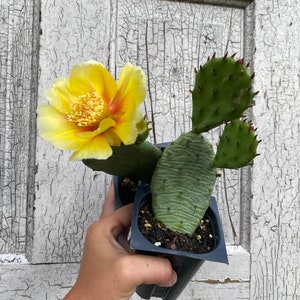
(112, 138)
(97, 148)
(127, 132)
(60, 95)
(131, 89)
(55, 128)
(93, 76)
(103, 126)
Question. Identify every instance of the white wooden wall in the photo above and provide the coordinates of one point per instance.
(47, 203)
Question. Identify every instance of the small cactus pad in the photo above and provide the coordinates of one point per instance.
(222, 92)
(237, 146)
(182, 183)
(120, 164)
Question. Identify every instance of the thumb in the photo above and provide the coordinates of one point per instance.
(151, 270)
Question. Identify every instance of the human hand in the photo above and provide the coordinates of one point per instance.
(109, 269)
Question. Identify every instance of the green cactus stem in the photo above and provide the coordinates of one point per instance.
(182, 183)
(145, 156)
(184, 177)
(222, 92)
(237, 146)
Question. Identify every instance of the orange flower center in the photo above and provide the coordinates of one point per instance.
(88, 110)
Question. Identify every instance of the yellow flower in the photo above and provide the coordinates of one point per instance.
(90, 112)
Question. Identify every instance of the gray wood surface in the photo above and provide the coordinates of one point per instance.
(47, 203)
(19, 30)
(275, 211)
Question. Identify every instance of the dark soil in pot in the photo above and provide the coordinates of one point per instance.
(202, 241)
(127, 189)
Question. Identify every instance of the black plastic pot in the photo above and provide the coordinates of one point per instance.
(117, 190)
(184, 263)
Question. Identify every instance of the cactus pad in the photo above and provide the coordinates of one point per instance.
(182, 183)
(222, 92)
(145, 156)
(237, 146)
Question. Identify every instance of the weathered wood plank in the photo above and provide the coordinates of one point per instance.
(167, 39)
(216, 291)
(68, 195)
(53, 281)
(275, 215)
(18, 82)
(36, 281)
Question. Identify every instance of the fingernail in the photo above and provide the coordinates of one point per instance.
(174, 278)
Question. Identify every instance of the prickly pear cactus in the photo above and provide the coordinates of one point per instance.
(182, 182)
(237, 146)
(222, 92)
(184, 177)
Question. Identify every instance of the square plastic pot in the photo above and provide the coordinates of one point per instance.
(185, 264)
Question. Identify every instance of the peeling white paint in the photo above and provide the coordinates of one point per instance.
(13, 259)
(235, 250)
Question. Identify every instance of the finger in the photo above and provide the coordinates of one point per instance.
(151, 270)
(120, 220)
(109, 204)
(117, 227)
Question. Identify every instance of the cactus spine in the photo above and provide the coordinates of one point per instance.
(185, 174)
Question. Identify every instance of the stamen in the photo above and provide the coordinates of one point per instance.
(88, 110)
